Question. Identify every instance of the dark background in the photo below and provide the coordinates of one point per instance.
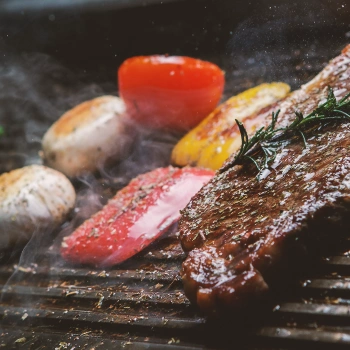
(56, 54)
(96, 36)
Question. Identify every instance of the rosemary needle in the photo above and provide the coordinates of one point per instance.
(266, 140)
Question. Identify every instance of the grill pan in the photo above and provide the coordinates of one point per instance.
(140, 304)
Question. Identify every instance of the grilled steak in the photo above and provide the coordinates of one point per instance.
(240, 230)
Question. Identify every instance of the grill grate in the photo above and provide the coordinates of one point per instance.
(141, 305)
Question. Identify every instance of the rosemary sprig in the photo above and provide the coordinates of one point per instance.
(266, 140)
(2, 131)
(260, 138)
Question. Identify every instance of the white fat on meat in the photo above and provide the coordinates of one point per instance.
(32, 199)
(87, 136)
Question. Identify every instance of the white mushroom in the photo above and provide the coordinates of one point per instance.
(32, 198)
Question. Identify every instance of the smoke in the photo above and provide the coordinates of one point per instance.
(281, 43)
(35, 90)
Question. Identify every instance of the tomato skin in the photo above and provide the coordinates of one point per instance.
(135, 217)
(174, 92)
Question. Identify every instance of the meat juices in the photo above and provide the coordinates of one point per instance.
(238, 231)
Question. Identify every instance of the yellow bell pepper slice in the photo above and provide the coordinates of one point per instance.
(210, 143)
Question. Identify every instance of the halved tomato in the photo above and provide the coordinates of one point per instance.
(174, 92)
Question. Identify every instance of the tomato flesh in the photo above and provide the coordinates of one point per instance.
(174, 92)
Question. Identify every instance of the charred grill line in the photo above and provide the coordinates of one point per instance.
(83, 339)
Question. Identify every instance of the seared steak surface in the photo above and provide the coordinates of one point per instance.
(240, 230)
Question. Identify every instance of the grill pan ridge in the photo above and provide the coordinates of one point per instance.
(140, 304)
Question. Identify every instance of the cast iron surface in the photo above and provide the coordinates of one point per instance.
(140, 305)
